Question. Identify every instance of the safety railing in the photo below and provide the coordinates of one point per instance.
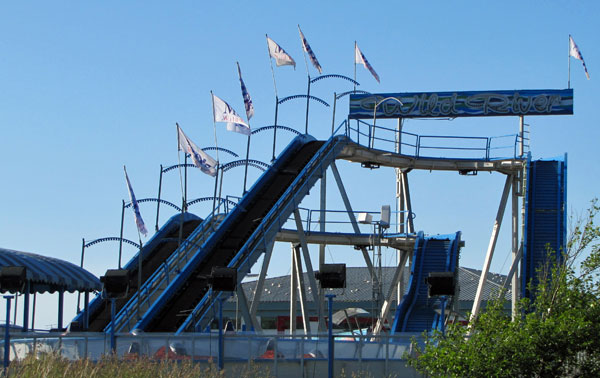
(338, 220)
(281, 354)
(433, 146)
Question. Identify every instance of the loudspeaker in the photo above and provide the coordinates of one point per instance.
(385, 216)
(223, 279)
(441, 283)
(116, 283)
(332, 276)
(13, 279)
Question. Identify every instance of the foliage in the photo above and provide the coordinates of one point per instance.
(52, 365)
(556, 334)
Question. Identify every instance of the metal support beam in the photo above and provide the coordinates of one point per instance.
(260, 283)
(340, 184)
(491, 247)
(309, 269)
(322, 220)
(293, 291)
(388, 300)
(515, 245)
(408, 204)
(301, 288)
(243, 305)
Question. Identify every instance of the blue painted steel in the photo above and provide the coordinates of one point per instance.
(265, 233)
(161, 277)
(99, 303)
(545, 218)
(233, 217)
(7, 332)
(416, 312)
(463, 104)
(330, 343)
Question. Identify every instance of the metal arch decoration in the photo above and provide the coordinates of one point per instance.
(336, 76)
(303, 96)
(189, 165)
(286, 128)
(203, 199)
(221, 149)
(251, 162)
(128, 205)
(111, 238)
(351, 92)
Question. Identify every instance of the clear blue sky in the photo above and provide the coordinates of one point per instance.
(86, 87)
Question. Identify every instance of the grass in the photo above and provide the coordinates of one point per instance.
(52, 365)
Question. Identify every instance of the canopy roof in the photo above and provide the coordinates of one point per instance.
(48, 274)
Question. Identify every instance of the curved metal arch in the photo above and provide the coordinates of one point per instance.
(334, 76)
(350, 92)
(265, 128)
(189, 165)
(302, 96)
(203, 199)
(221, 149)
(252, 163)
(111, 238)
(128, 205)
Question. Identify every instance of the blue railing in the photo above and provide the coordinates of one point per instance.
(432, 146)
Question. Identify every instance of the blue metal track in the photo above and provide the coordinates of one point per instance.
(545, 217)
(244, 234)
(416, 312)
(266, 231)
(153, 254)
(168, 270)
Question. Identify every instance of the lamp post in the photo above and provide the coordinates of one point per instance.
(7, 333)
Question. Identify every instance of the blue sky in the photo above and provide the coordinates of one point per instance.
(88, 87)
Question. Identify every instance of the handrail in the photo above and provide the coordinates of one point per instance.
(423, 142)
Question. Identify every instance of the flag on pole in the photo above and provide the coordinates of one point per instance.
(359, 58)
(309, 51)
(225, 113)
(247, 100)
(281, 57)
(201, 159)
(136, 209)
(576, 53)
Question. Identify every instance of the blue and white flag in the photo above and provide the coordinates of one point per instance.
(136, 209)
(309, 51)
(576, 53)
(281, 57)
(359, 58)
(225, 113)
(247, 100)
(201, 159)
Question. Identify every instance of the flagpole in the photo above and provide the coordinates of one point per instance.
(183, 191)
(276, 97)
(307, 104)
(303, 51)
(354, 66)
(212, 98)
(569, 58)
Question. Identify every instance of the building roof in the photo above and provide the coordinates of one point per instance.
(48, 274)
(359, 287)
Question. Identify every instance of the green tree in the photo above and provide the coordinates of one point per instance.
(558, 333)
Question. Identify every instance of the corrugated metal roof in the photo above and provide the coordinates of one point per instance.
(48, 274)
(359, 286)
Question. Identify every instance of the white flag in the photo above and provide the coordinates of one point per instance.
(309, 51)
(575, 53)
(201, 159)
(136, 209)
(359, 58)
(247, 100)
(281, 57)
(225, 113)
